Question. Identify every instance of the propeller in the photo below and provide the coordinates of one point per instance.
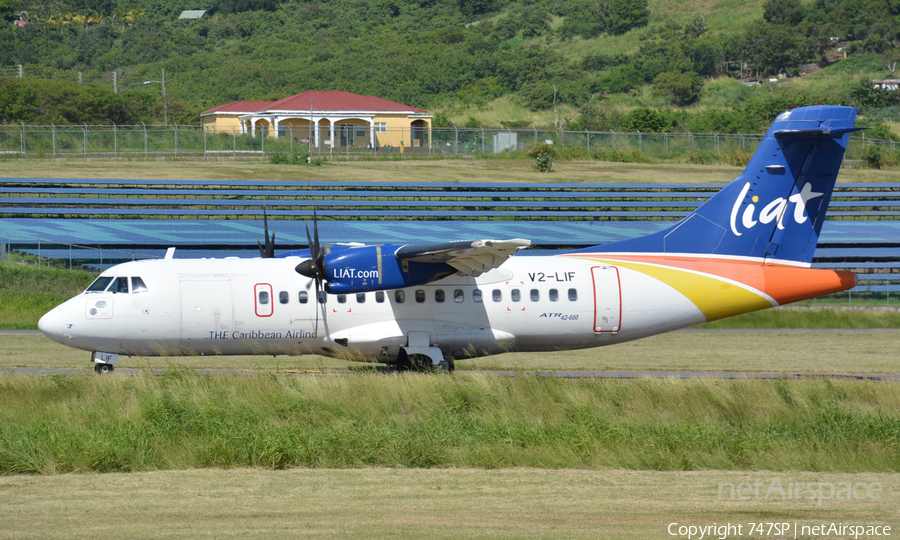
(267, 251)
(314, 268)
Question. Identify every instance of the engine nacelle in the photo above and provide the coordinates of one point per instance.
(355, 269)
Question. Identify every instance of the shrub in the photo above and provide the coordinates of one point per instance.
(289, 159)
(681, 88)
(872, 157)
(543, 154)
(621, 156)
(737, 157)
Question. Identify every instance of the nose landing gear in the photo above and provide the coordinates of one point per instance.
(103, 368)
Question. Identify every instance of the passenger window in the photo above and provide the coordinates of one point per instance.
(515, 295)
(264, 297)
(379, 296)
(458, 296)
(420, 296)
(120, 285)
(573, 294)
(439, 296)
(535, 295)
(497, 295)
(554, 295)
(322, 297)
(342, 298)
(476, 295)
(137, 285)
(361, 298)
(303, 297)
(399, 297)
(283, 297)
(99, 284)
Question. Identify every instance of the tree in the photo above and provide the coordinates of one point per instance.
(695, 28)
(681, 88)
(644, 119)
(783, 12)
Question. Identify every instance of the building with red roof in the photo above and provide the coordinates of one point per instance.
(326, 119)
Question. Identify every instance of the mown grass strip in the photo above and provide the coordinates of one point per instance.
(184, 420)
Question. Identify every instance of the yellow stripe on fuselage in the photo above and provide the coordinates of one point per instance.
(716, 298)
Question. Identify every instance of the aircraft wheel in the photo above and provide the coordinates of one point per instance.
(105, 368)
(422, 363)
(403, 362)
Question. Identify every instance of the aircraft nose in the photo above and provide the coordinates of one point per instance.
(51, 324)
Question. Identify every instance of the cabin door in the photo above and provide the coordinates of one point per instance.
(607, 299)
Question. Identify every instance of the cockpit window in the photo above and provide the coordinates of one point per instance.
(120, 285)
(99, 284)
(137, 285)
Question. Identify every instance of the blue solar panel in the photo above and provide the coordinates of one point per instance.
(150, 232)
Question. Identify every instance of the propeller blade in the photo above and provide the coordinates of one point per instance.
(267, 252)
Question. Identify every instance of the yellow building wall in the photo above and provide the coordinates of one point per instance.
(220, 123)
(398, 130)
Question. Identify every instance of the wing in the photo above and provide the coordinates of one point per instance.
(469, 258)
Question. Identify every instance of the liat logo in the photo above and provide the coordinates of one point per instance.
(772, 211)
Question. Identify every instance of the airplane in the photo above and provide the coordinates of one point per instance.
(424, 306)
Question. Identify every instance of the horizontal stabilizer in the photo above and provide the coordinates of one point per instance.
(834, 133)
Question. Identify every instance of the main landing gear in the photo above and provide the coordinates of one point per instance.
(422, 363)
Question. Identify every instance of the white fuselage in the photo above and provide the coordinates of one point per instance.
(262, 306)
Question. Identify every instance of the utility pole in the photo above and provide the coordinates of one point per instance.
(165, 105)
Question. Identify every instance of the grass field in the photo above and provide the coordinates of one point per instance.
(84, 423)
(747, 350)
(445, 170)
(374, 503)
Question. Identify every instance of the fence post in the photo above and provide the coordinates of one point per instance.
(614, 139)
(116, 140)
(53, 127)
(691, 140)
(291, 131)
(85, 140)
(640, 142)
(233, 141)
(742, 141)
(22, 137)
(716, 136)
(455, 140)
(535, 135)
(482, 140)
(146, 146)
(175, 128)
(263, 139)
(205, 149)
(666, 141)
(588, 133)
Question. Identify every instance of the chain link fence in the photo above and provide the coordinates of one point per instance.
(176, 141)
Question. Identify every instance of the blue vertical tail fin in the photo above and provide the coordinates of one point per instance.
(774, 210)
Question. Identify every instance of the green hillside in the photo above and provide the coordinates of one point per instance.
(577, 64)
